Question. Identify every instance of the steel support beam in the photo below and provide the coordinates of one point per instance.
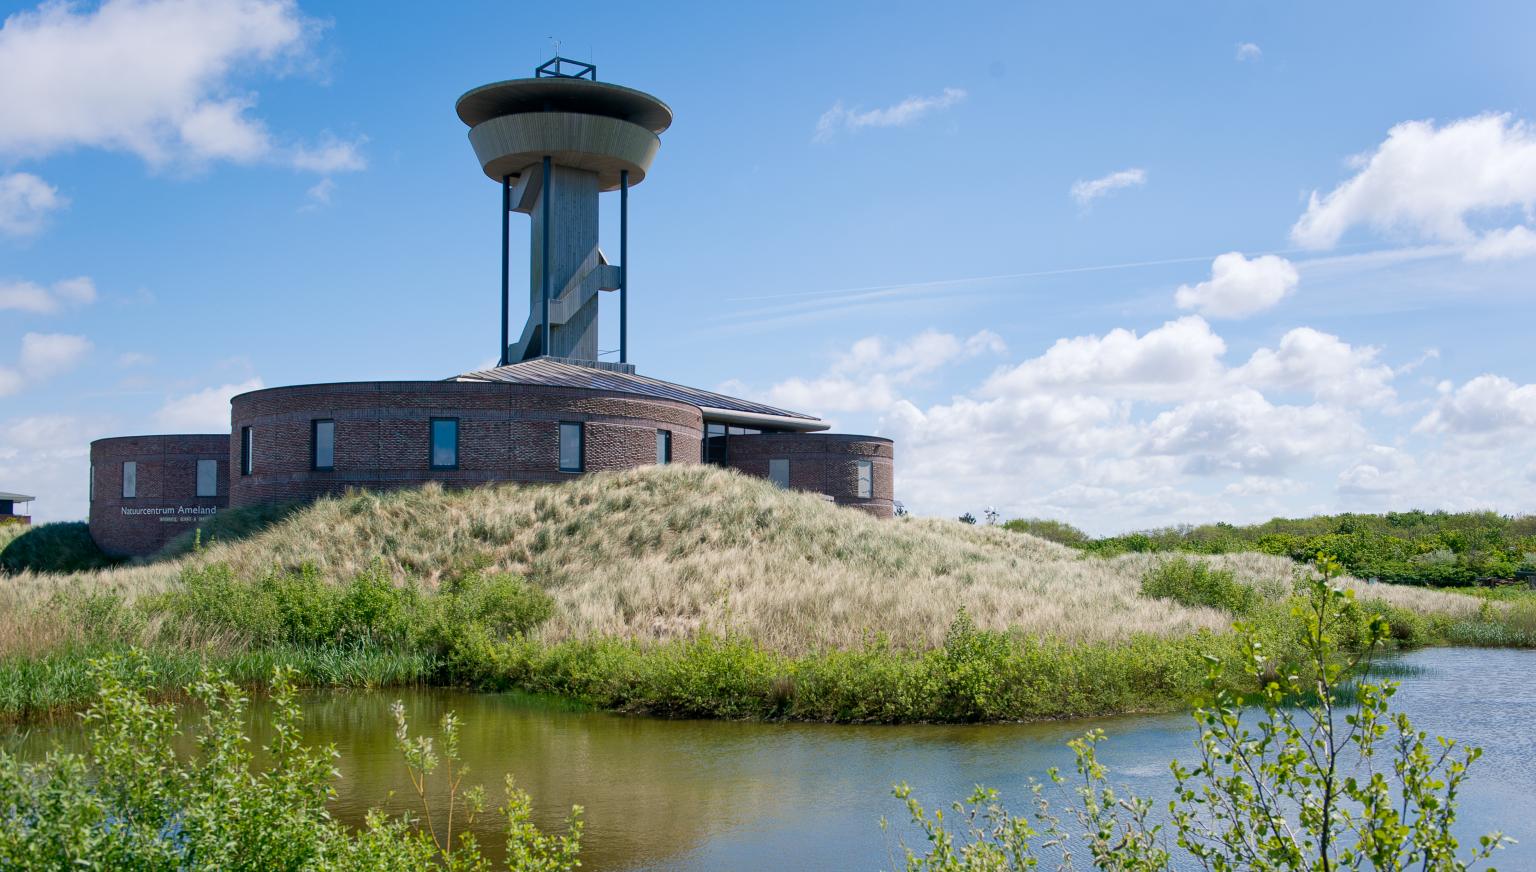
(506, 230)
(548, 183)
(624, 266)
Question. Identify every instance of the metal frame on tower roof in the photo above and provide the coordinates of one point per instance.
(554, 69)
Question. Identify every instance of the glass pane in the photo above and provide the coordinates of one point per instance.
(207, 478)
(778, 471)
(570, 447)
(246, 457)
(866, 479)
(325, 444)
(445, 442)
(130, 479)
(663, 446)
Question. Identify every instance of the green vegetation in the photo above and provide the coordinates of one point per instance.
(1315, 786)
(1432, 548)
(58, 547)
(681, 592)
(133, 802)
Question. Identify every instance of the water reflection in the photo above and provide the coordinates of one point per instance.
(719, 795)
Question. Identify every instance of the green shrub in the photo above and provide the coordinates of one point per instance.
(1194, 583)
(137, 801)
(64, 546)
(1056, 531)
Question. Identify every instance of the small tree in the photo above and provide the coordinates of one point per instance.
(1309, 786)
(967, 518)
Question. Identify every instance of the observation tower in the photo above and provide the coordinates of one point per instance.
(555, 142)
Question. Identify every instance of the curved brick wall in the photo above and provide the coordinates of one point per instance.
(507, 432)
(167, 502)
(823, 463)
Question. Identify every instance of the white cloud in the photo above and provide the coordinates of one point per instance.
(1131, 429)
(1429, 182)
(1322, 365)
(204, 411)
(866, 377)
(26, 201)
(34, 298)
(1239, 287)
(319, 193)
(48, 455)
(154, 78)
(332, 156)
(840, 117)
(1085, 192)
(1249, 51)
(1484, 406)
(1504, 244)
(134, 358)
(43, 355)
(1180, 359)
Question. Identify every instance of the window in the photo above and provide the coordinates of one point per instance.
(866, 486)
(445, 443)
(778, 471)
(572, 456)
(322, 444)
(130, 479)
(246, 455)
(714, 443)
(90, 486)
(663, 447)
(207, 478)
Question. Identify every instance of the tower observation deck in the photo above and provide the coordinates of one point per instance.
(555, 142)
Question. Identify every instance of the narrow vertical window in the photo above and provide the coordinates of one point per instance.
(571, 454)
(246, 455)
(778, 471)
(322, 444)
(130, 479)
(445, 443)
(90, 486)
(207, 478)
(663, 447)
(866, 486)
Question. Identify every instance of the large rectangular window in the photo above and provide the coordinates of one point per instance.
(866, 486)
(207, 478)
(663, 447)
(572, 454)
(246, 449)
(322, 444)
(445, 443)
(778, 471)
(130, 479)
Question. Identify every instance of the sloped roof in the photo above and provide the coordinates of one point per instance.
(558, 373)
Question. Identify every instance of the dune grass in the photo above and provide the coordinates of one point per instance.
(693, 590)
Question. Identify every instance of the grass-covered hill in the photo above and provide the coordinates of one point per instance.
(1449, 549)
(682, 589)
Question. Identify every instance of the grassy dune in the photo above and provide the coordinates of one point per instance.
(694, 590)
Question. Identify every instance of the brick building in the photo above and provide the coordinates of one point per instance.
(548, 412)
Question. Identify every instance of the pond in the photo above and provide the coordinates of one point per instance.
(697, 795)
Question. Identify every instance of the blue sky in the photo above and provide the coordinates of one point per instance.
(1066, 254)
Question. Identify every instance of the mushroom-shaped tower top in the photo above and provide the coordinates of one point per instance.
(578, 122)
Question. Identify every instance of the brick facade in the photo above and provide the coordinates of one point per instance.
(824, 463)
(166, 501)
(507, 432)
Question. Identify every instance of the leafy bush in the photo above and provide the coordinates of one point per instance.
(1056, 531)
(64, 546)
(133, 802)
(1434, 548)
(1194, 583)
(1317, 786)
